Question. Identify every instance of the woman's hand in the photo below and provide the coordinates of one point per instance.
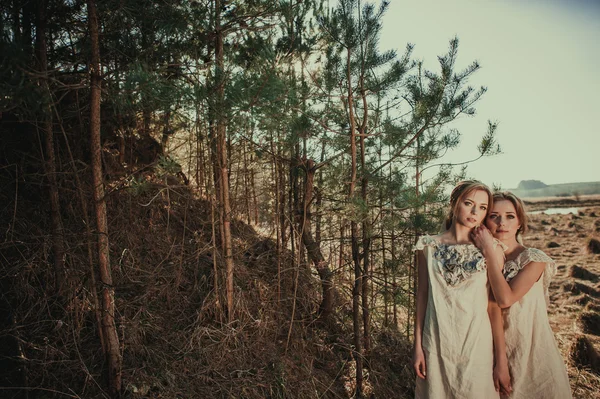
(419, 362)
(483, 239)
(502, 379)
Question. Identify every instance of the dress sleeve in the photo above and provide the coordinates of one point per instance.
(423, 242)
(536, 255)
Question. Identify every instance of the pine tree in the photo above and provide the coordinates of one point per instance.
(110, 337)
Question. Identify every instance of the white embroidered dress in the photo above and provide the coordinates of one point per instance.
(536, 365)
(457, 334)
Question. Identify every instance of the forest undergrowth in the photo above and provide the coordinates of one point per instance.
(175, 338)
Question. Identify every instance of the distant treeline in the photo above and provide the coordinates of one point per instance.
(560, 190)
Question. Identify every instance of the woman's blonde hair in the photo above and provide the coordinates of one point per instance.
(461, 190)
(519, 208)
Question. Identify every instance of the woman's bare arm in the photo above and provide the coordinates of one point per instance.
(505, 293)
(421, 307)
(501, 373)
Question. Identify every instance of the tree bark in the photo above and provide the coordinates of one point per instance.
(50, 157)
(225, 206)
(357, 286)
(247, 182)
(394, 287)
(366, 228)
(412, 267)
(313, 247)
(319, 197)
(109, 329)
(276, 217)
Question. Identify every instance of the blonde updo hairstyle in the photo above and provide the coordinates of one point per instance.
(459, 192)
(519, 208)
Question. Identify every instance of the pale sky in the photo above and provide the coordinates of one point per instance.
(540, 61)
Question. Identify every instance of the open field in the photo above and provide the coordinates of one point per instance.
(560, 190)
(541, 203)
(575, 291)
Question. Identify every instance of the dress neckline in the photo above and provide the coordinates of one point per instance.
(518, 256)
(437, 240)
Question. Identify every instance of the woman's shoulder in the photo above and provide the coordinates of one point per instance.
(526, 257)
(533, 255)
(427, 241)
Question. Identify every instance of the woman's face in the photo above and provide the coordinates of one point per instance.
(472, 208)
(502, 220)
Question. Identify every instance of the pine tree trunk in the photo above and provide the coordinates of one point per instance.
(319, 197)
(111, 338)
(222, 153)
(393, 255)
(366, 230)
(293, 199)
(276, 218)
(282, 201)
(50, 161)
(166, 131)
(253, 180)
(199, 158)
(386, 285)
(342, 247)
(246, 184)
(313, 247)
(354, 236)
(412, 267)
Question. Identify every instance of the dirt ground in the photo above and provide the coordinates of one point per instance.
(575, 291)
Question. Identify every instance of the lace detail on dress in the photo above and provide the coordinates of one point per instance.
(456, 262)
(513, 267)
(424, 241)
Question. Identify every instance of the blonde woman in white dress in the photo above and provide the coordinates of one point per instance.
(459, 347)
(519, 278)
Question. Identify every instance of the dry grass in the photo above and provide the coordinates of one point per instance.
(584, 354)
(580, 273)
(574, 292)
(590, 322)
(176, 341)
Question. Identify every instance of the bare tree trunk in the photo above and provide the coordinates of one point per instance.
(313, 247)
(58, 248)
(386, 285)
(166, 131)
(199, 154)
(342, 238)
(215, 256)
(111, 338)
(252, 179)
(246, 184)
(225, 206)
(319, 197)
(412, 267)
(277, 218)
(393, 254)
(293, 197)
(357, 287)
(282, 200)
(366, 230)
